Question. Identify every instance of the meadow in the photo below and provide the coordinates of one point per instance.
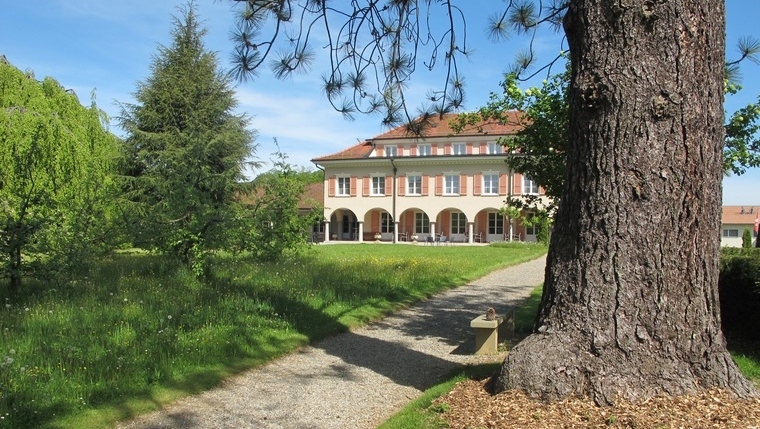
(138, 330)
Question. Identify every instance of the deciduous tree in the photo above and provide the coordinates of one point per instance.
(56, 179)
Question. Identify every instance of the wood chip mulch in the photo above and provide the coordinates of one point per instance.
(470, 406)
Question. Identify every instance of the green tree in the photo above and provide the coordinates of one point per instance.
(278, 223)
(747, 239)
(186, 150)
(630, 304)
(56, 180)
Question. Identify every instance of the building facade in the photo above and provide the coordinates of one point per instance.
(735, 220)
(444, 185)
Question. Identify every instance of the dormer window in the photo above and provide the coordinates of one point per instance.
(391, 151)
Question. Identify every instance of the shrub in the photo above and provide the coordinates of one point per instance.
(739, 288)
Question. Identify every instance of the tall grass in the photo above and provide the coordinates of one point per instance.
(140, 330)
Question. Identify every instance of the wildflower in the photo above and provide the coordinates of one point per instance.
(169, 317)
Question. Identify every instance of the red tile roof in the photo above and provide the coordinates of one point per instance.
(740, 215)
(361, 150)
(435, 126)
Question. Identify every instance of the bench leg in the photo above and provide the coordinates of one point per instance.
(486, 341)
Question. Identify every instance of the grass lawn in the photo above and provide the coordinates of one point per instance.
(140, 331)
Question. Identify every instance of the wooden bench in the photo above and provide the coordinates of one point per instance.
(487, 332)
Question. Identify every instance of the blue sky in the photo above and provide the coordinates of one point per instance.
(107, 47)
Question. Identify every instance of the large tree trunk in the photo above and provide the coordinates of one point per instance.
(630, 306)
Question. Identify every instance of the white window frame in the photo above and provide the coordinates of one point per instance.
(494, 148)
(731, 233)
(414, 184)
(495, 223)
(387, 226)
(530, 187)
(343, 186)
(458, 223)
(424, 150)
(421, 223)
(377, 186)
(391, 151)
(459, 148)
(451, 183)
(490, 183)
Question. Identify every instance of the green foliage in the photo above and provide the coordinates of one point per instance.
(142, 329)
(185, 153)
(742, 147)
(739, 288)
(747, 239)
(540, 146)
(278, 224)
(56, 187)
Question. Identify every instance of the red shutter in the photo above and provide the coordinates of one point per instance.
(353, 186)
(401, 185)
(331, 187)
(447, 149)
(517, 184)
(388, 185)
(463, 184)
(425, 184)
(375, 223)
(439, 185)
(469, 148)
(413, 150)
(365, 188)
(477, 184)
(503, 185)
(484, 148)
(380, 151)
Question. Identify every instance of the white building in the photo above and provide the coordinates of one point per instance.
(443, 183)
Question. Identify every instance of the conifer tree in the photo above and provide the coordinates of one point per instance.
(186, 149)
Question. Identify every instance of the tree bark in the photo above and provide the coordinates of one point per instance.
(630, 305)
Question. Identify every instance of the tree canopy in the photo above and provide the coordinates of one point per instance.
(186, 149)
(56, 183)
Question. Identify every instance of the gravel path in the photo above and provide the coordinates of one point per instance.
(360, 378)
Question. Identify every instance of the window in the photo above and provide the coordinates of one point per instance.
(414, 185)
(344, 186)
(378, 185)
(386, 223)
(421, 223)
(529, 228)
(731, 233)
(494, 148)
(495, 223)
(423, 150)
(451, 184)
(391, 151)
(458, 223)
(490, 184)
(530, 187)
(459, 148)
